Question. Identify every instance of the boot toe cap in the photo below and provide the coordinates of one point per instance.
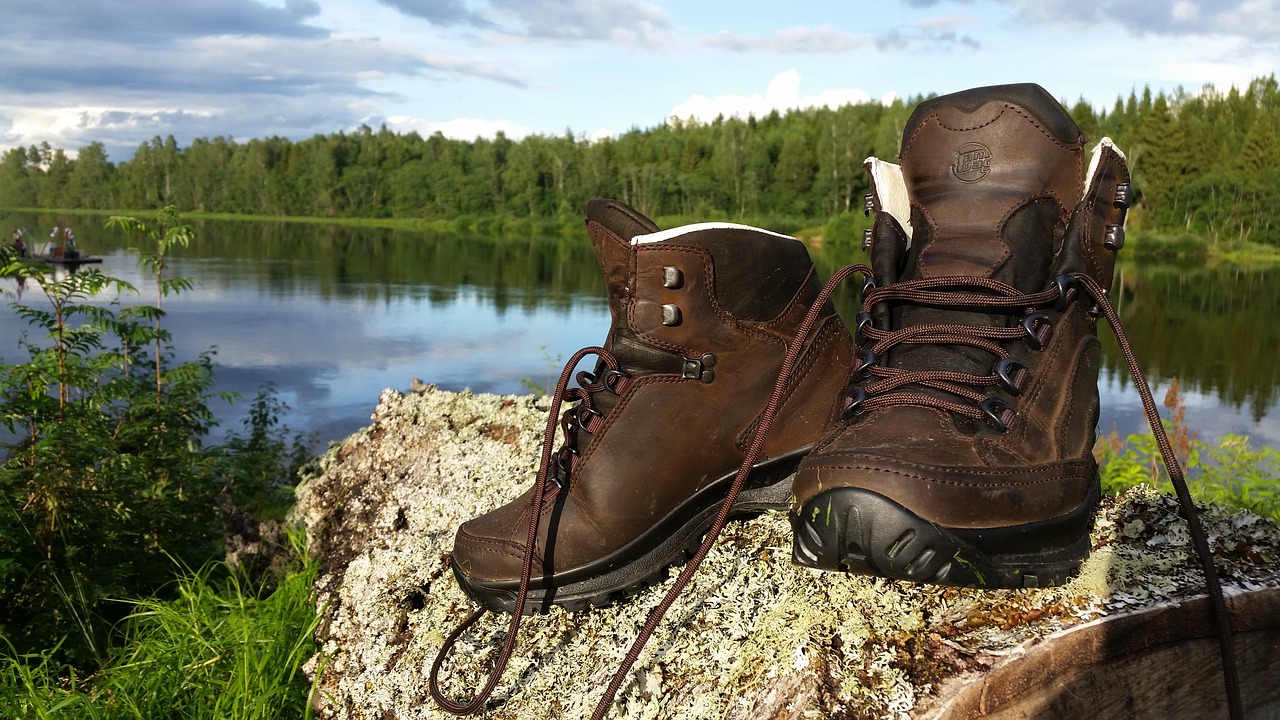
(484, 555)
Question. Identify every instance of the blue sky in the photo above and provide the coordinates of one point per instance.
(123, 71)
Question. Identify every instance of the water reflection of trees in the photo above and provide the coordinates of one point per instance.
(374, 264)
(1214, 327)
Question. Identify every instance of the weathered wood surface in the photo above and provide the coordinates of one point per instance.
(1156, 662)
(755, 636)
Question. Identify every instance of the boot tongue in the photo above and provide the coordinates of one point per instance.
(992, 174)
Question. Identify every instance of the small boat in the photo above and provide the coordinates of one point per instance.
(63, 260)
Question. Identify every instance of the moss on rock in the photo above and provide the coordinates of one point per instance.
(753, 636)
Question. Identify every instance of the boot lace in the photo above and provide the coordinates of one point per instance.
(554, 471)
(887, 390)
(881, 385)
(876, 385)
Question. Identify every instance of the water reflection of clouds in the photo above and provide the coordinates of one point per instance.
(330, 346)
(331, 360)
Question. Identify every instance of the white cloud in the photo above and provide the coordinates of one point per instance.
(632, 23)
(1256, 20)
(782, 94)
(936, 31)
(1185, 11)
(821, 39)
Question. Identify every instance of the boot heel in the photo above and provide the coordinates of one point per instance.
(862, 532)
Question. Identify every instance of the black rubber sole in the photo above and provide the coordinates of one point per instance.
(859, 531)
(644, 561)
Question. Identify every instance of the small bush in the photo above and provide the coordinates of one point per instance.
(1231, 472)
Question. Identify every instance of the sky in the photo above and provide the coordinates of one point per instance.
(123, 71)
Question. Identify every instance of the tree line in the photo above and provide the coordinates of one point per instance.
(1207, 164)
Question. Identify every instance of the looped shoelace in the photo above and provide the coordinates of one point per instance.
(554, 470)
(1012, 375)
(951, 293)
(923, 292)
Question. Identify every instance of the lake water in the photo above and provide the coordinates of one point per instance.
(333, 315)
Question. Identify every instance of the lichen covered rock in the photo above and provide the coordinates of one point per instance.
(753, 636)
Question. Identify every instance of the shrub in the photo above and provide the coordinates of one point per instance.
(108, 486)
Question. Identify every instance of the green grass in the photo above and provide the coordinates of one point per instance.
(223, 649)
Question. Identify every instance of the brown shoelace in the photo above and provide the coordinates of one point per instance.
(553, 470)
(886, 390)
(965, 293)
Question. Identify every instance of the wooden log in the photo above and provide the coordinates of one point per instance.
(1157, 662)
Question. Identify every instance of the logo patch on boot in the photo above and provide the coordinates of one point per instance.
(973, 162)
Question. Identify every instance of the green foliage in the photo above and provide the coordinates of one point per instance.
(219, 649)
(260, 466)
(1231, 472)
(100, 489)
(1204, 163)
(548, 386)
(107, 485)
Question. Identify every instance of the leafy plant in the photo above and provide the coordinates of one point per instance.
(107, 481)
(221, 648)
(1231, 472)
(260, 466)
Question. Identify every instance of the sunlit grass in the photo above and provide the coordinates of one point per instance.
(223, 649)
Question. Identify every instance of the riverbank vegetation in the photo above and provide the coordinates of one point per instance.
(1206, 165)
(116, 600)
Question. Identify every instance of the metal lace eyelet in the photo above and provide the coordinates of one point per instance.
(996, 413)
(1039, 330)
(1066, 285)
(611, 379)
(699, 368)
(866, 361)
(863, 321)
(671, 315)
(868, 284)
(1012, 375)
(866, 239)
(1114, 239)
(583, 415)
(868, 204)
(1124, 196)
(854, 406)
(564, 465)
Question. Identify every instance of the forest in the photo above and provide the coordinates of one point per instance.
(1206, 164)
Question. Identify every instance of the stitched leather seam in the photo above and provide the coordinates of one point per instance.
(795, 300)
(940, 481)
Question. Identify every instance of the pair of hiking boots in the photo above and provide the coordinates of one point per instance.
(952, 445)
(944, 436)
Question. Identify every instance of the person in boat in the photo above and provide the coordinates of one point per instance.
(18, 243)
(71, 252)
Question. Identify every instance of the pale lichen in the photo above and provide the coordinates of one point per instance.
(752, 635)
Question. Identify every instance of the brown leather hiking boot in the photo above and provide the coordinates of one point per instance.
(964, 452)
(702, 318)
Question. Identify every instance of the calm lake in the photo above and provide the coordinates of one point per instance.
(332, 315)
